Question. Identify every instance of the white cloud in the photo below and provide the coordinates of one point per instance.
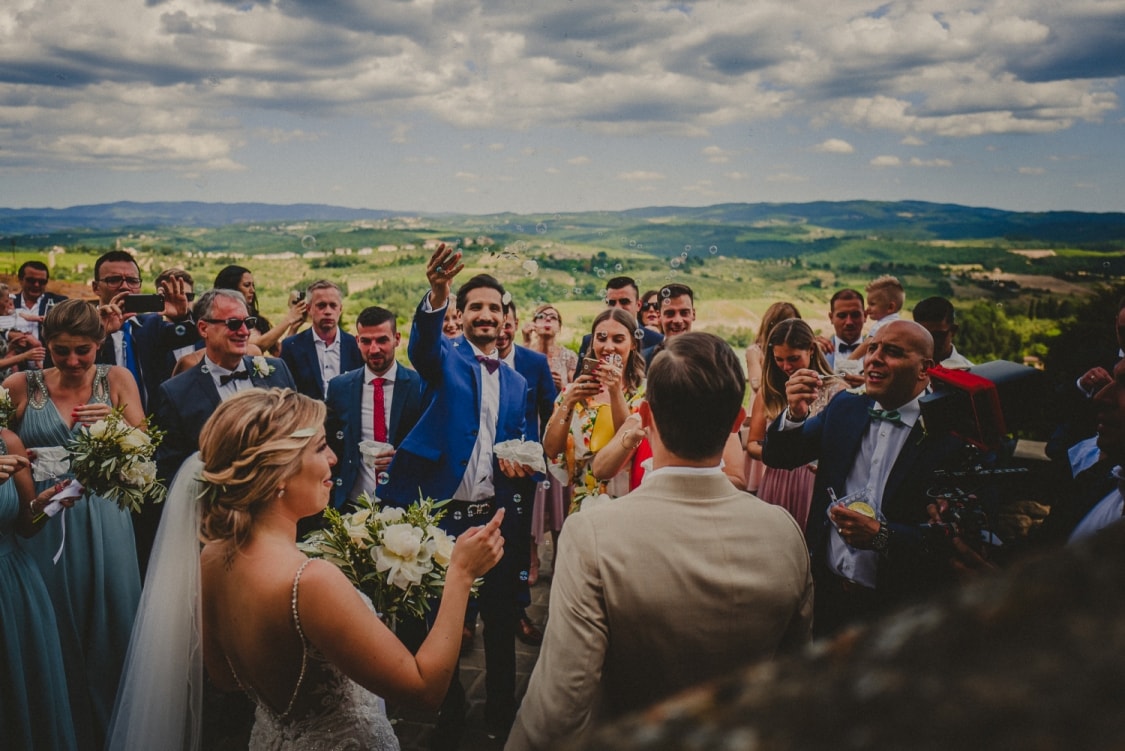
(912, 141)
(578, 161)
(716, 155)
(786, 177)
(916, 162)
(834, 146)
(886, 160)
(639, 176)
(735, 175)
(1032, 171)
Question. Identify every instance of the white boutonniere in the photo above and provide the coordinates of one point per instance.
(262, 367)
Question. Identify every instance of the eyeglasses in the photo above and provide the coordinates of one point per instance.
(234, 324)
(117, 280)
(37, 282)
(546, 317)
(650, 306)
(623, 302)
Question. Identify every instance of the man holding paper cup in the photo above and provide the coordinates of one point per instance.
(371, 409)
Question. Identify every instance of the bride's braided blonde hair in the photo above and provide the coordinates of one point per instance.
(249, 447)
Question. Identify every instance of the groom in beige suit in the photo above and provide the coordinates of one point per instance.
(682, 580)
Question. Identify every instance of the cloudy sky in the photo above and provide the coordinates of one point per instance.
(560, 105)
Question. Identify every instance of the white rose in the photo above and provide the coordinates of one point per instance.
(4, 395)
(443, 545)
(401, 573)
(97, 430)
(403, 540)
(390, 514)
(138, 474)
(135, 440)
(358, 517)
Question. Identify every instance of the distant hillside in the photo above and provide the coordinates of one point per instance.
(833, 232)
(130, 215)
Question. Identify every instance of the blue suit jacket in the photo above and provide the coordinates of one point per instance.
(433, 456)
(345, 395)
(186, 402)
(541, 391)
(299, 353)
(834, 437)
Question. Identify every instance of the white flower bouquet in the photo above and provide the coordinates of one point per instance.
(397, 557)
(113, 459)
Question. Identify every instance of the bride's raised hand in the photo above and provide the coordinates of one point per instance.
(478, 549)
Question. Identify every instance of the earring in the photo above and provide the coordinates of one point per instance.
(281, 492)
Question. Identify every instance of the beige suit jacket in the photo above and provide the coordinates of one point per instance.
(680, 581)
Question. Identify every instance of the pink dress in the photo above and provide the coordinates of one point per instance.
(551, 502)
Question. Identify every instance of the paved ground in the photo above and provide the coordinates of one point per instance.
(413, 728)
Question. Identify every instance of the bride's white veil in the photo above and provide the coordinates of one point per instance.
(160, 697)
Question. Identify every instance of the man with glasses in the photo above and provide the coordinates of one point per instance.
(142, 343)
(33, 300)
(622, 292)
(187, 400)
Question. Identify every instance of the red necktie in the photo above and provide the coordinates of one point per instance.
(380, 417)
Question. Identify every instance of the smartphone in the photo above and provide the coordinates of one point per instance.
(296, 297)
(143, 304)
(590, 366)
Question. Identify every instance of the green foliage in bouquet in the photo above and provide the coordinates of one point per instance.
(397, 557)
(113, 459)
(7, 408)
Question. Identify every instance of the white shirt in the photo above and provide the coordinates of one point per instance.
(1108, 511)
(22, 324)
(477, 482)
(231, 388)
(367, 477)
(956, 361)
(878, 451)
(876, 325)
(328, 356)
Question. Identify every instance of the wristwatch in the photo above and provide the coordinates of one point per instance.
(881, 539)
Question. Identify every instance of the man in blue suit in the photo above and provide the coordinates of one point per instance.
(476, 403)
(541, 393)
(354, 406)
(323, 351)
(876, 442)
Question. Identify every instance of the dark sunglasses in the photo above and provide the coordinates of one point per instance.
(623, 303)
(650, 306)
(234, 324)
(117, 280)
(36, 282)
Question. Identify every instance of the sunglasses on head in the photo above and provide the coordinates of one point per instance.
(234, 324)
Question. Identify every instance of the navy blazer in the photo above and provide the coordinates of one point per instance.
(433, 456)
(299, 353)
(186, 402)
(345, 395)
(541, 391)
(153, 340)
(833, 437)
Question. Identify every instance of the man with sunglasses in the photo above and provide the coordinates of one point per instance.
(33, 300)
(143, 343)
(622, 292)
(187, 400)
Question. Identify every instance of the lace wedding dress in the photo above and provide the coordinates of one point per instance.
(327, 710)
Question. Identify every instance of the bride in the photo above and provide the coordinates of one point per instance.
(291, 632)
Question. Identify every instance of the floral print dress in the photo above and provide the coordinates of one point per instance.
(579, 456)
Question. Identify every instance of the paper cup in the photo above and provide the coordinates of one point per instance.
(369, 450)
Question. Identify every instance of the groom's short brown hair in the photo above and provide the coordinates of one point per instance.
(695, 389)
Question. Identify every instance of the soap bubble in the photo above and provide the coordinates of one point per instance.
(308, 242)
